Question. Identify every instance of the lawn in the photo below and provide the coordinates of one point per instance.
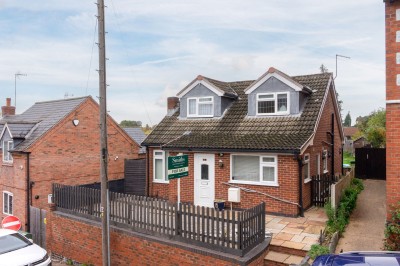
(347, 158)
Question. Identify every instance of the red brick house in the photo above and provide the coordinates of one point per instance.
(54, 142)
(269, 135)
(392, 17)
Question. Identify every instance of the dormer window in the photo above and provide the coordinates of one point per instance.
(200, 107)
(273, 103)
(7, 146)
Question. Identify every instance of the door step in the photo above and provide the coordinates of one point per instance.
(274, 258)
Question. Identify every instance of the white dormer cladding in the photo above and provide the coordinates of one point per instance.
(274, 94)
(201, 99)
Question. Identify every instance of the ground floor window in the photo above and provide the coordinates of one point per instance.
(159, 166)
(7, 202)
(306, 168)
(261, 169)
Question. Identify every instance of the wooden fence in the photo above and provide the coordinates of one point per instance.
(321, 188)
(234, 232)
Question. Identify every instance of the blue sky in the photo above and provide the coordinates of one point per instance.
(155, 48)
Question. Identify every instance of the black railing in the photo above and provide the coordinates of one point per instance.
(321, 189)
(234, 232)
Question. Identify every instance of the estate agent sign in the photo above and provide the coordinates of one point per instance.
(178, 166)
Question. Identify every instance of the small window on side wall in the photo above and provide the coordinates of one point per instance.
(306, 168)
(7, 203)
(325, 161)
(159, 166)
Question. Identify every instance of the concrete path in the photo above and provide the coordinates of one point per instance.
(365, 232)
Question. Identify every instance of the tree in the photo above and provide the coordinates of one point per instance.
(323, 69)
(373, 128)
(130, 123)
(347, 120)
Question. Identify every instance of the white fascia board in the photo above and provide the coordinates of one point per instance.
(4, 130)
(288, 82)
(203, 82)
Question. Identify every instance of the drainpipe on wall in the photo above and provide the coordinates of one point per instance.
(300, 163)
(28, 195)
(333, 142)
(147, 172)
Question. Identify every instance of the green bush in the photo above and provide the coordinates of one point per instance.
(337, 220)
(317, 250)
(392, 230)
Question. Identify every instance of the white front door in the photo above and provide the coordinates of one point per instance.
(204, 179)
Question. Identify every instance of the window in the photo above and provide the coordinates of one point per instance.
(159, 166)
(254, 169)
(200, 107)
(306, 168)
(7, 202)
(272, 103)
(325, 161)
(7, 146)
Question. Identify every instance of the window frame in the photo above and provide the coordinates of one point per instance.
(325, 161)
(6, 152)
(275, 99)
(306, 161)
(260, 182)
(163, 158)
(197, 99)
(9, 194)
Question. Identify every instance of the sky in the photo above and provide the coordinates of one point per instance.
(155, 48)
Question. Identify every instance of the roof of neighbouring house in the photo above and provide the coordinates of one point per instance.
(350, 131)
(235, 130)
(137, 134)
(39, 119)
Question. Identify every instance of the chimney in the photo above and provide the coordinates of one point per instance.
(8, 109)
(172, 105)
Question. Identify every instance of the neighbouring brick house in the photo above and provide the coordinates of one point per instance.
(54, 142)
(269, 135)
(392, 17)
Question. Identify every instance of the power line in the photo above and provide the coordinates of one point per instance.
(91, 57)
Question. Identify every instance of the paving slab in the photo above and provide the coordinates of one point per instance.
(276, 256)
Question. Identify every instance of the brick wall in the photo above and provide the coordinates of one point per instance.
(68, 155)
(80, 240)
(392, 109)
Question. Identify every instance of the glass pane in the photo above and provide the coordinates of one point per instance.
(5, 204)
(205, 109)
(158, 153)
(305, 170)
(269, 173)
(268, 159)
(10, 204)
(266, 107)
(246, 168)
(158, 169)
(282, 102)
(204, 172)
(192, 106)
(266, 96)
(208, 99)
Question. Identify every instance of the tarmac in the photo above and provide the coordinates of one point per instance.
(365, 231)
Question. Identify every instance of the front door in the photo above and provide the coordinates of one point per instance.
(204, 179)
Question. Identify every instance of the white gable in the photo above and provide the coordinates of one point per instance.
(294, 85)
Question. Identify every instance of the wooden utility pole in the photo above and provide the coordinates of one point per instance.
(103, 134)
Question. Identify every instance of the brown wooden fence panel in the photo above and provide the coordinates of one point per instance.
(321, 189)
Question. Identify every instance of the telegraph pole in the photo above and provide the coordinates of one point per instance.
(103, 135)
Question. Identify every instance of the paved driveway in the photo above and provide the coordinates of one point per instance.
(365, 232)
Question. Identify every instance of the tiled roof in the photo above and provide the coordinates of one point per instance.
(350, 131)
(237, 131)
(43, 116)
(137, 134)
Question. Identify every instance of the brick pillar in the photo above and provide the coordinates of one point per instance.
(392, 20)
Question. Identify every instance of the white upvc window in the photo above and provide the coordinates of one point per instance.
(7, 203)
(325, 161)
(200, 107)
(306, 168)
(7, 146)
(254, 169)
(159, 166)
(273, 103)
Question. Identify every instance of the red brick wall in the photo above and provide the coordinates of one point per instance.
(81, 241)
(321, 141)
(392, 109)
(67, 155)
(287, 179)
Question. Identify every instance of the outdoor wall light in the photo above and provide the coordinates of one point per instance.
(221, 154)
(221, 163)
(75, 122)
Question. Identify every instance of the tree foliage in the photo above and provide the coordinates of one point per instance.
(347, 120)
(130, 123)
(373, 128)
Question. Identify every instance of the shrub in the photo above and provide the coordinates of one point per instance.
(317, 250)
(392, 230)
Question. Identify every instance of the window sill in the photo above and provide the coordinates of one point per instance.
(254, 183)
(7, 163)
(160, 182)
(326, 171)
(307, 180)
